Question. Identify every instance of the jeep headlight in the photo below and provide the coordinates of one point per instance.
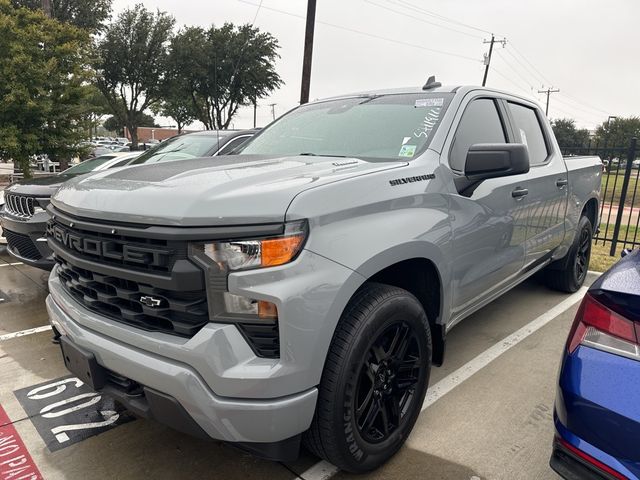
(234, 255)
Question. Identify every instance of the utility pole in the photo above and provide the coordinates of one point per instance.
(308, 51)
(548, 92)
(255, 108)
(487, 57)
(273, 110)
(46, 8)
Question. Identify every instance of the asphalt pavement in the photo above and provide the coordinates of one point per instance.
(488, 413)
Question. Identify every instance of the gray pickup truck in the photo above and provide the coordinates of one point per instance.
(302, 290)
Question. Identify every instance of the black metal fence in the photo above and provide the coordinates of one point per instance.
(620, 194)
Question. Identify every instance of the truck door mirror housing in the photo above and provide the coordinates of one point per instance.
(493, 160)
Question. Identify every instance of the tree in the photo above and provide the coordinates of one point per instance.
(223, 69)
(112, 124)
(618, 132)
(131, 63)
(176, 104)
(568, 135)
(95, 106)
(88, 15)
(42, 89)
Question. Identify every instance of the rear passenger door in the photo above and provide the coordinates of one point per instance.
(547, 182)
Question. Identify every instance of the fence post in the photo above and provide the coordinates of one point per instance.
(631, 155)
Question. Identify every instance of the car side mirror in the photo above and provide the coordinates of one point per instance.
(493, 160)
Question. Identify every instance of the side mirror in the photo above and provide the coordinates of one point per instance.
(493, 160)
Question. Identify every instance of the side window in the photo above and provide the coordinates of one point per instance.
(229, 147)
(528, 126)
(480, 123)
(121, 163)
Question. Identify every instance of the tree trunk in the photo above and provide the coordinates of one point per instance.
(179, 127)
(133, 131)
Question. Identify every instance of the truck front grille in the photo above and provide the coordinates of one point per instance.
(137, 304)
(20, 206)
(22, 245)
(139, 253)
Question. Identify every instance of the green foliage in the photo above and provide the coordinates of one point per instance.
(618, 131)
(86, 14)
(568, 135)
(131, 63)
(112, 124)
(223, 68)
(42, 88)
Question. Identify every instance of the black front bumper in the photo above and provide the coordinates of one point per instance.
(26, 240)
(571, 467)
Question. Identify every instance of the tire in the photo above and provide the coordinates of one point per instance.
(570, 277)
(363, 370)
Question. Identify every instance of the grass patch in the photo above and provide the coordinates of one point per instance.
(600, 259)
(612, 195)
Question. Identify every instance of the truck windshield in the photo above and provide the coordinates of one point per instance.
(375, 127)
(88, 165)
(181, 147)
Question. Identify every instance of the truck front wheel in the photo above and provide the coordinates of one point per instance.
(374, 381)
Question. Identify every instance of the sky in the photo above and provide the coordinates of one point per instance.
(587, 49)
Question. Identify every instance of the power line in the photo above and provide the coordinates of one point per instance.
(421, 19)
(512, 82)
(514, 70)
(366, 34)
(441, 17)
(524, 67)
(515, 49)
(579, 102)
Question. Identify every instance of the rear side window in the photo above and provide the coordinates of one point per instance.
(527, 125)
(480, 123)
(229, 147)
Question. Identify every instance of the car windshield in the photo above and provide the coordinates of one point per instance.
(181, 147)
(376, 127)
(88, 165)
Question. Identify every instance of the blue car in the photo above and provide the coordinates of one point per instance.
(597, 411)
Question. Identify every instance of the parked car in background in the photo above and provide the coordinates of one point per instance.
(305, 287)
(24, 217)
(208, 143)
(597, 411)
(3, 240)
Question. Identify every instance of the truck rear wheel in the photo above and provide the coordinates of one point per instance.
(374, 381)
(570, 277)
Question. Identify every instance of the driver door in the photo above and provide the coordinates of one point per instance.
(488, 224)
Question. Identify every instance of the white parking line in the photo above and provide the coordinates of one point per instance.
(10, 264)
(324, 470)
(22, 333)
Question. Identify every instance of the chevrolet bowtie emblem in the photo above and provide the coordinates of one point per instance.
(150, 301)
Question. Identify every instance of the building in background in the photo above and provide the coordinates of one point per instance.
(145, 134)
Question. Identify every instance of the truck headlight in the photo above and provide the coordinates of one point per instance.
(235, 255)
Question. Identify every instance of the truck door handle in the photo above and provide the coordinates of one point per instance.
(520, 192)
(561, 183)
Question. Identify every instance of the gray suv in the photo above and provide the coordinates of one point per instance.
(304, 289)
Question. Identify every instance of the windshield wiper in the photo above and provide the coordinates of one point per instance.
(311, 154)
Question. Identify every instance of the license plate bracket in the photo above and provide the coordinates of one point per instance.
(83, 364)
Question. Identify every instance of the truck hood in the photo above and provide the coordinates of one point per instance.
(233, 190)
(42, 187)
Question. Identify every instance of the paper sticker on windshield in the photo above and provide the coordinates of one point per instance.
(429, 102)
(407, 151)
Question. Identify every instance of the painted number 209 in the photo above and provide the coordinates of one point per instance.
(70, 405)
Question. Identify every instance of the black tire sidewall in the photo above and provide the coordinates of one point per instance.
(361, 455)
(583, 224)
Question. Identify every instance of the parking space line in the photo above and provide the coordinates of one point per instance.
(11, 264)
(324, 470)
(22, 333)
